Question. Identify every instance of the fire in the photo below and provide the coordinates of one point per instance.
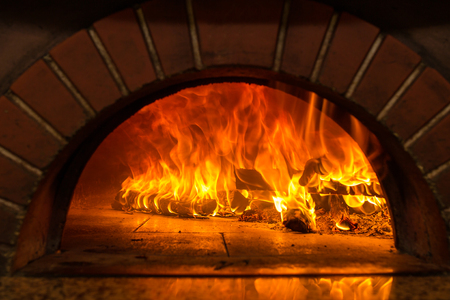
(358, 288)
(347, 288)
(217, 147)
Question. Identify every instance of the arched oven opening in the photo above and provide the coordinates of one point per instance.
(371, 81)
(129, 213)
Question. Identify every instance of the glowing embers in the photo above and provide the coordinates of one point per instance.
(216, 149)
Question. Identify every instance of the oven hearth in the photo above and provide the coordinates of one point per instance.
(106, 242)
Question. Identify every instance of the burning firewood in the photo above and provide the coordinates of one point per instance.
(322, 202)
(233, 201)
(170, 207)
(124, 201)
(336, 188)
(134, 200)
(127, 201)
(338, 208)
(205, 207)
(238, 203)
(312, 167)
(296, 220)
(315, 166)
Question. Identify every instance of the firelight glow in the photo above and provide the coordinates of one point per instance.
(190, 148)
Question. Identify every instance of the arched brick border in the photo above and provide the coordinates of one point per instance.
(132, 52)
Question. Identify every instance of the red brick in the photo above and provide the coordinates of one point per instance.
(351, 42)
(169, 18)
(390, 67)
(122, 37)
(443, 188)
(433, 149)
(6, 255)
(45, 93)
(308, 22)
(424, 99)
(24, 137)
(82, 63)
(9, 224)
(238, 32)
(17, 184)
(35, 229)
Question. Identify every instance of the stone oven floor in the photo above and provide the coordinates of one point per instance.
(111, 255)
(104, 242)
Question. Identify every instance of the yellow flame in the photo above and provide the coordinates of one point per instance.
(186, 147)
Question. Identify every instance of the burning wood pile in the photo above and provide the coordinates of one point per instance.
(235, 149)
(333, 215)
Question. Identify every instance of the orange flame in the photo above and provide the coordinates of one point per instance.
(298, 288)
(188, 146)
(358, 288)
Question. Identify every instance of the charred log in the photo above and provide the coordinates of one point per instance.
(316, 166)
(172, 207)
(312, 167)
(338, 208)
(322, 202)
(133, 200)
(238, 202)
(297, 221)
(205, 207)
(336, 188)
(124, 200)
(296, 225)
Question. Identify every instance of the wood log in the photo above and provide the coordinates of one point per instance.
(312, 167)
(295, 220)
(205, 207)
(338, 208)
(170, 207)
(337, 188)
(233, 202)
(166, 206)
(315, 166)
(238, 202)
(321, 201)
(133, 200)
(124, 203)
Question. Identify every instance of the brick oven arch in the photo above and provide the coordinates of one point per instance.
(57, 106)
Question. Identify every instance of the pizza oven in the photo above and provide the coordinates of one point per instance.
(216, 139)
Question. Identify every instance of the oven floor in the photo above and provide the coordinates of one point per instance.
(104, 242)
